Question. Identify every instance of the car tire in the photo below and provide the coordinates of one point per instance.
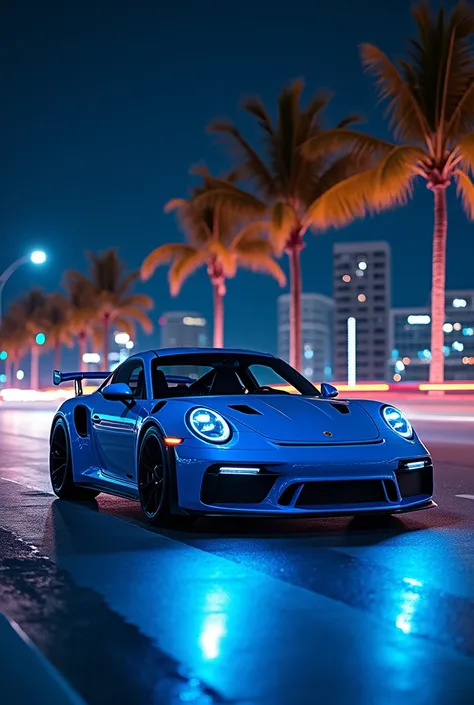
(153, 478)
(60, 466)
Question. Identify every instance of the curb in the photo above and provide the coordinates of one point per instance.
(26, 677)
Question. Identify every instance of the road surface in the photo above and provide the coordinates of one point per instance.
(260, 612)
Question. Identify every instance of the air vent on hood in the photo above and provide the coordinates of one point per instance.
(342, 408)
(244, 409)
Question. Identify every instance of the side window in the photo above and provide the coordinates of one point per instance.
(133, 374)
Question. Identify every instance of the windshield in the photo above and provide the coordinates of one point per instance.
(223, 374)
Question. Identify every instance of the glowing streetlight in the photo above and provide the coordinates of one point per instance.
(37, 257)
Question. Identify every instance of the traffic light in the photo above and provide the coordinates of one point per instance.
(40, 339)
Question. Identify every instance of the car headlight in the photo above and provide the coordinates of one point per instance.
(397, 421)
(209, 425)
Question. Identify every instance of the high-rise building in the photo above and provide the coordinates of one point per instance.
(410, 340)
(316, 324)
(362, 291)
(183, 329)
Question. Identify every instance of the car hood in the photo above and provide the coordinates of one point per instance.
(295, 419)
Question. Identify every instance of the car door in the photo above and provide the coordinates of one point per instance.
(114, 423)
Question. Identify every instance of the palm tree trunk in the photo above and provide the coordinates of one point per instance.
(438, 280)
(105, 347)
(34, 368)
(296, 343)
(82, 345)
(218, 296)
(57, 355)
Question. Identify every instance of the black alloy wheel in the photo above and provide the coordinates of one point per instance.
(153, 481)
(60, 466)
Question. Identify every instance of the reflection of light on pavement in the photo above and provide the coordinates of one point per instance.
(409, 602)
(212, 632)
(214, 626)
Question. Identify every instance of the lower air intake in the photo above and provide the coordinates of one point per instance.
(324, 493)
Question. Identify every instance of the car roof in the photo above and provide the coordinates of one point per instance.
(168, 352)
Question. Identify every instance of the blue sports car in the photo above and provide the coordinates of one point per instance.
(208, 431)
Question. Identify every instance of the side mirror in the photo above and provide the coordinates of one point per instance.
(118, 391)
(328, 391)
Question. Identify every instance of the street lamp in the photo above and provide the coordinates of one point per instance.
(37, 257)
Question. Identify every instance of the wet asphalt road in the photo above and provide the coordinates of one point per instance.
(263, 611)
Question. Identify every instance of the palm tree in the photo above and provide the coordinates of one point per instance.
(288, 185)
(14, 340)
(430, 109)
(30, 312)
(83, 313)
(59, 331)
(216, 240)
(111, 289)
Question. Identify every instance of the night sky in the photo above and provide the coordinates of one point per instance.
(104, 108)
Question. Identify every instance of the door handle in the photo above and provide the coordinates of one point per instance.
(96, 418)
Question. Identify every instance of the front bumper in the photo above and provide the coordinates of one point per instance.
(309, 481)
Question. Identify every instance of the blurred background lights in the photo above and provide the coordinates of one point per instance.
(359, 273)
(3, 378)
(91, 358)
(362, 298)
(457, 326)
(399, 366)
(40, 339)
(448, 327)
(3, 355)
(346, 278)
(362, 265)
(122, 338)
(20, 374)
(397, 377)
(129, 345)
(459, 347)
(418, 320)
(459, 303)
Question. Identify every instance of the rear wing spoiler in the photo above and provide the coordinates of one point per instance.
(76, 377)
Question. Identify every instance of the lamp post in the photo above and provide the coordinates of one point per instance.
(37, 257)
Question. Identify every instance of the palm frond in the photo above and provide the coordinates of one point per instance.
(142, 300)
(466, 150)
(395, 175)
(465, 189)
(253, 166)
(251, 231)
(162, 255)
(241, 202)
(343, 139)
(258, 257)
(183, 267)
(175, 204)
(136, 314)
(340, 205)
(255, 107)
(406, 116)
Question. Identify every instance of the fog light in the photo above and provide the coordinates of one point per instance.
(238, 471)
